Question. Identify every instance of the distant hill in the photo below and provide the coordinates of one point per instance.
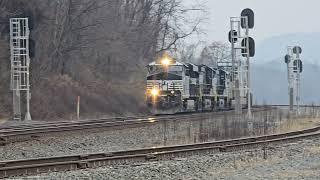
(269, 76)
(270, 83)
(276, 47)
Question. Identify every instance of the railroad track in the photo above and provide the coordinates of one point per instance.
(66, 163)
(33, 131)
(284, 105)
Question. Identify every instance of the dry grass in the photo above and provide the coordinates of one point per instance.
(299, 124)
(3, 121)
(289, 174)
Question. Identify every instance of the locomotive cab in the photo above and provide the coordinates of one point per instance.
(174, 87)
(165, 86)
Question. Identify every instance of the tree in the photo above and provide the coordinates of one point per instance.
(94, 48)
(177, 22)
(214, 53)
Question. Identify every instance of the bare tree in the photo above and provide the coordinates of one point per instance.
(189, 53)
(94, 48)
(177, 23)
(214, 53)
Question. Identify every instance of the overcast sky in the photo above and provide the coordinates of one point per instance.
(272, 17)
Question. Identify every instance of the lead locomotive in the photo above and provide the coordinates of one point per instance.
(174, 87)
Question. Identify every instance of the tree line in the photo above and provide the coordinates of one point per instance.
(92, 48)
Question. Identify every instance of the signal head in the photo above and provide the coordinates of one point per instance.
(252, 47)
(233, 34)
(250, 16)
(297, 66)
(297, 50)
(287, 59)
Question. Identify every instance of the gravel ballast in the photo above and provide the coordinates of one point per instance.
(299, 160)
(164, 133)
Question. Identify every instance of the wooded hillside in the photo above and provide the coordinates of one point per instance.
(96, 49)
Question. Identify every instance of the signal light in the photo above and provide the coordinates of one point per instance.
(252, 47)
(297, 65)
(287, 59)
(233, 34)
(297, 50)
(250, 16)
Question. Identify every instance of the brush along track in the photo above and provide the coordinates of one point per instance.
(32, 131)
(66, 163)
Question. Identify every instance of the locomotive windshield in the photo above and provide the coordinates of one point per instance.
(165, 73)
(164, 76)
(171, 69)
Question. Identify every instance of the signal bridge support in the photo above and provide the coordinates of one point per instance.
(20, 67)
(294, 68)
(288, 61)
(241, 85)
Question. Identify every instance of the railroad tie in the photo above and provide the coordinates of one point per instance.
(151, 157)
(82, 165)
(3, 164)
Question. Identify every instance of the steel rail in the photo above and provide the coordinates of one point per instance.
(74, 162)
(60, 123)
(65, 123)
(29, 132)
(285, 105)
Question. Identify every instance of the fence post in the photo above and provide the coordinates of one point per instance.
(78, 108)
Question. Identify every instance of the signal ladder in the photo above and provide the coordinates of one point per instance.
(20, 63)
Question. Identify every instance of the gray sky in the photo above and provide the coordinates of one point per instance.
(273, 17)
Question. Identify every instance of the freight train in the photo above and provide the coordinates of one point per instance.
(175, 87)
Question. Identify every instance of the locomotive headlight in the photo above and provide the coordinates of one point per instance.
(155, 92)
(165, 61)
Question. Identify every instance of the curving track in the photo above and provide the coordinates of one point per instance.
(64, 163)
(12, 134)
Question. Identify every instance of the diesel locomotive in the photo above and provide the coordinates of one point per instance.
(174, 87)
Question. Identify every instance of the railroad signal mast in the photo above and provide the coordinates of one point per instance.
(20, 66)
(294, 70)
(242, 48)
(288, 60)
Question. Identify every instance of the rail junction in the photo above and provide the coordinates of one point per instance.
(27, 167)
(74, 162)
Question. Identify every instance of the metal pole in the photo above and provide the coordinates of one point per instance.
(28, 115)
(235, 83)
(298, 85)
(288, 74)
(290, 79)
(20, 65)
(265, 126)
(248, 72)
(233, 59)
(290, 89)
(78, 108)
